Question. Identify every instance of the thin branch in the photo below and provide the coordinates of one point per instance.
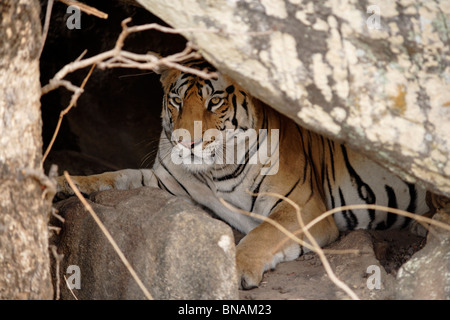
(86, 9)
(147, 61)
(69, 286)
(77, 92)
(58, 258)
(108, 236)
(382, 208)
(420, 219)
(48, 14)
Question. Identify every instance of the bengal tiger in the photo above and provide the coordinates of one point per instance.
(195, 162)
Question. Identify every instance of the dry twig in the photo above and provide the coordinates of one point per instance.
(69, 286)
(108, 236)
(58, 258)
(48, 14)
(117, 57)
(86, 9)
(73, 101)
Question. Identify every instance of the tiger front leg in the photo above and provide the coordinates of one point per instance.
(120, 180)
(266, 246)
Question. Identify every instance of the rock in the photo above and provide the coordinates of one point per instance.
(427, 274)
(361, 272)
(178, 251)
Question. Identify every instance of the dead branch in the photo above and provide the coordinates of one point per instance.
(86, 9)
(423, 220)
(48, 14)
(69, 287)
(117, 57)
(77, 92)
(419, 218)
(58, 258)
(57, 230)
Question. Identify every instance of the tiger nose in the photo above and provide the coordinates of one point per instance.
(190, 144)
(187, 144)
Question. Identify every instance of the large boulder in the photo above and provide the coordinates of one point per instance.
(373, 75)
(177, 250)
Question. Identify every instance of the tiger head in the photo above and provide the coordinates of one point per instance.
(201, 117)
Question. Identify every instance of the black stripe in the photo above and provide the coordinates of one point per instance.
(369, 196)
(209, 84)
(239, 169)
(349, 216)
(142, 179)
(322, 161)
(230, 89)
(412, 207)
(286, 195)
(201, 64)
(392, 203)
(234, 102)
(245, 103)
(256, 190)
(200, 178)
(182, 85)
(313, 166)
(162, 186)
(331, 149)
(199, 87)
(185, 75)
(305, 168)
(188, 89)
(333, 205)
(168, 171)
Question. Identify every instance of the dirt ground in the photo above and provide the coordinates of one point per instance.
(305, 277)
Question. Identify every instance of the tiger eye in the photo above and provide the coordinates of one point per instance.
(215, 100)
(177, 100)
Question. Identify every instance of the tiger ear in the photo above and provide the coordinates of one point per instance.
(163, 70)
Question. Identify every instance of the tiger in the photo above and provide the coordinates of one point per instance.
(206, 153)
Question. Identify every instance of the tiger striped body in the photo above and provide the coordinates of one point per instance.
(315, 172)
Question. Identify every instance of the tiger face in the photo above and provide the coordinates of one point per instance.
(203, 119)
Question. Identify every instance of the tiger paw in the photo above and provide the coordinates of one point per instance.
(63, 189)
(250, 267)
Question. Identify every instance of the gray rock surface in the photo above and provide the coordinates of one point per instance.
(426, 276)
(178, 251)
